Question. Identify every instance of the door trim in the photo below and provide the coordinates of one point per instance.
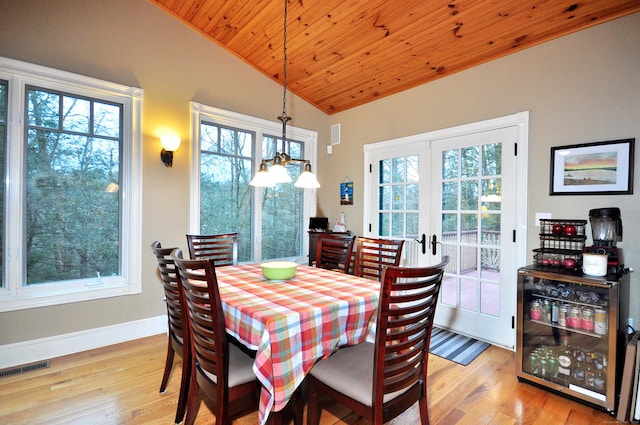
(521, 121)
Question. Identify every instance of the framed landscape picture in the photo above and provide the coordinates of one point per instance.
(600, 168)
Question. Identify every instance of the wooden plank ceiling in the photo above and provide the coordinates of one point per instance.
(345, 53)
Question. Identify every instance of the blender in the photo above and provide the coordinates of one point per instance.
(606, 232)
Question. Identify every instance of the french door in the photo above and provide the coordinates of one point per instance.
(457, 193)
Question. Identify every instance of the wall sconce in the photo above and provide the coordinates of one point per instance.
(169, 145)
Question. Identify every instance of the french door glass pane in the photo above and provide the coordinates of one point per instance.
(469, 294)
(398, 170)
(470, 166)
(489, 295)
(412, 225)
(492, 159)
(384, 222)
(413, 197)
(384, 198)
(450, 164)
(449, 195)
(398, 197)
(471, 193)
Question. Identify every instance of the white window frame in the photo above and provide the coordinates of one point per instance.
(15, 295)
(203, 113)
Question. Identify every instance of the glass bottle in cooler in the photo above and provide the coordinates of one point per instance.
(589, 371)
(565, 359)
(577, 374)
(600, 380)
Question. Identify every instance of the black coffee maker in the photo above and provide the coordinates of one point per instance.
(606, 232)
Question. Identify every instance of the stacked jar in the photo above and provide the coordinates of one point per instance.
(543, 362)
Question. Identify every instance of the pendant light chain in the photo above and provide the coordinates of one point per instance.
(284, 117)
(269, 177)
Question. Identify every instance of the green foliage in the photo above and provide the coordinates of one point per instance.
(225, 194)
(72, 223)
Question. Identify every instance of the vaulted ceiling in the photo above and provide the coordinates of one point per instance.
(345, 53)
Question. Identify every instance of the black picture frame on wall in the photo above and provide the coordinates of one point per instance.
(600, 168)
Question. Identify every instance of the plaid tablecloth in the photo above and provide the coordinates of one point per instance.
(293, 323)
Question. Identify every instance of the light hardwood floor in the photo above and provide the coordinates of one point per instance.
(119, 385)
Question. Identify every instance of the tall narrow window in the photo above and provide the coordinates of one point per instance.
(282, 208)
(3, 156)
(73, 156)
(225, 173)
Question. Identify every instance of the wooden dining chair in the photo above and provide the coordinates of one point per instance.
(372, 255)
(221, 370)
(380, 380)
(222, 248)
(334, 252)
(178, 335)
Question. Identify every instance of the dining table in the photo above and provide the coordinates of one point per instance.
(291, 324)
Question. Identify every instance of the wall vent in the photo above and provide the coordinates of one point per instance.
(24, 368)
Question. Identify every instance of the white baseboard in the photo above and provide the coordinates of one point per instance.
(60, 345)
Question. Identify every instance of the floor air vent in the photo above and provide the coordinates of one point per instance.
(24, 368)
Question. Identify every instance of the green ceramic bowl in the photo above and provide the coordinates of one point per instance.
(279, 270)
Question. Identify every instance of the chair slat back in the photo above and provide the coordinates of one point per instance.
(334, 252)
(407, 307)
(205, 316)
(373, 254)
(221, 248)
(168, 271)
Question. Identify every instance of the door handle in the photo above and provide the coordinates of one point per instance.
(434, 242)
(423, 242)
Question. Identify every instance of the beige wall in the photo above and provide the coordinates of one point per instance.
(582, 88)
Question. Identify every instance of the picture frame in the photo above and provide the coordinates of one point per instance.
(600, 168)
(346, 193)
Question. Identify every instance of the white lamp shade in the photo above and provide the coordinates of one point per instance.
(307, 180)
(262, 179)
(170, 143)
(279, 174)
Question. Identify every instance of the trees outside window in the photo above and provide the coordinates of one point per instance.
(73, 155)
(225, 194)
(71, 213)
(271, 222)
(282, 215)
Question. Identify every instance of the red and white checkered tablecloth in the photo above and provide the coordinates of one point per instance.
(293, 323)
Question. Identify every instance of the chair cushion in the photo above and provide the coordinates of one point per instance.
(240, 368)
(350, 372)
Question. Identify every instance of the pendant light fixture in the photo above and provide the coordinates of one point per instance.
(269, 176)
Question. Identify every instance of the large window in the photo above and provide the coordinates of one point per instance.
(71, 216)
(271, 222)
